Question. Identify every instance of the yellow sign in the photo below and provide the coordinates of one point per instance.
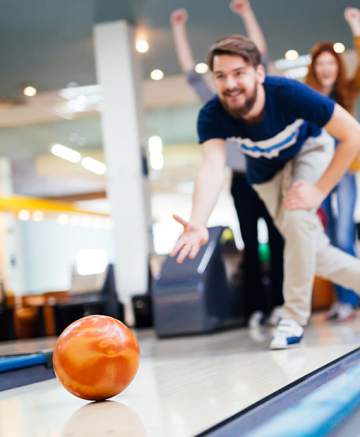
(15, 204)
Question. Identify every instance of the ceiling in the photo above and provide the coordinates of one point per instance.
(49, 42)
(29, 129)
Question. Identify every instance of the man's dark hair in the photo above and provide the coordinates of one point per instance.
(235, 45)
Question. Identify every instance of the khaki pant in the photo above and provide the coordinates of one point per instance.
(307, 248)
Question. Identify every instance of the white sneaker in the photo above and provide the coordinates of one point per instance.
(287, 333)
(346, 312)
(256, 319)
(332, 313)
(341, 312)
(275, 317)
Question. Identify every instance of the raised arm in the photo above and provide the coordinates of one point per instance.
(208, 185)
(178, 20)
(253, 29)
(196, 80)
(352, 16)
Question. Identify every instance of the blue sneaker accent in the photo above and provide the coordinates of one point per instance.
(287, 333)
(294, 340)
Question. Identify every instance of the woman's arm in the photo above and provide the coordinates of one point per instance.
(352, 16)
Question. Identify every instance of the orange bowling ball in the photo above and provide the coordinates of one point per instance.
(96, 357)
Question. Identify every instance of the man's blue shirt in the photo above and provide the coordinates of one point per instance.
(293, 113)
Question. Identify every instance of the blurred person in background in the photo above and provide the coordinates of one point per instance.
(327, 74)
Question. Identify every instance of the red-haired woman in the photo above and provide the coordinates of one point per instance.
(327, 74)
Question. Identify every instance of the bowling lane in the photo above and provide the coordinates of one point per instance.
(183, 387)
(26, 346)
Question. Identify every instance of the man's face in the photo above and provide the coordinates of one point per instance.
(237, 83)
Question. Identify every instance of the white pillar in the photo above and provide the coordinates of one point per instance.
(121, 124)
(12, 269)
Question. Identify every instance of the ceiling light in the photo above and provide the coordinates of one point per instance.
(301, 61)
(296, 73)
(72, 92)
(201, 68)
(93, 165)
(65, 153)
(156, 158)
(142, 46)
(80, 99)
(155, 144)
(24, 215)
(30, 91)
(156, 74)
(291, 55)
(339, 47)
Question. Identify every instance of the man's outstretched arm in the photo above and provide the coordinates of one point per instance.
(208, 185)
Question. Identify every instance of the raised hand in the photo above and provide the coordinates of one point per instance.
(352, 16)
(179, 17)
(190, 241)
(240, 7)
(303, 196)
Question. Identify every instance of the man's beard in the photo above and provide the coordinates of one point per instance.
(241, 112)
